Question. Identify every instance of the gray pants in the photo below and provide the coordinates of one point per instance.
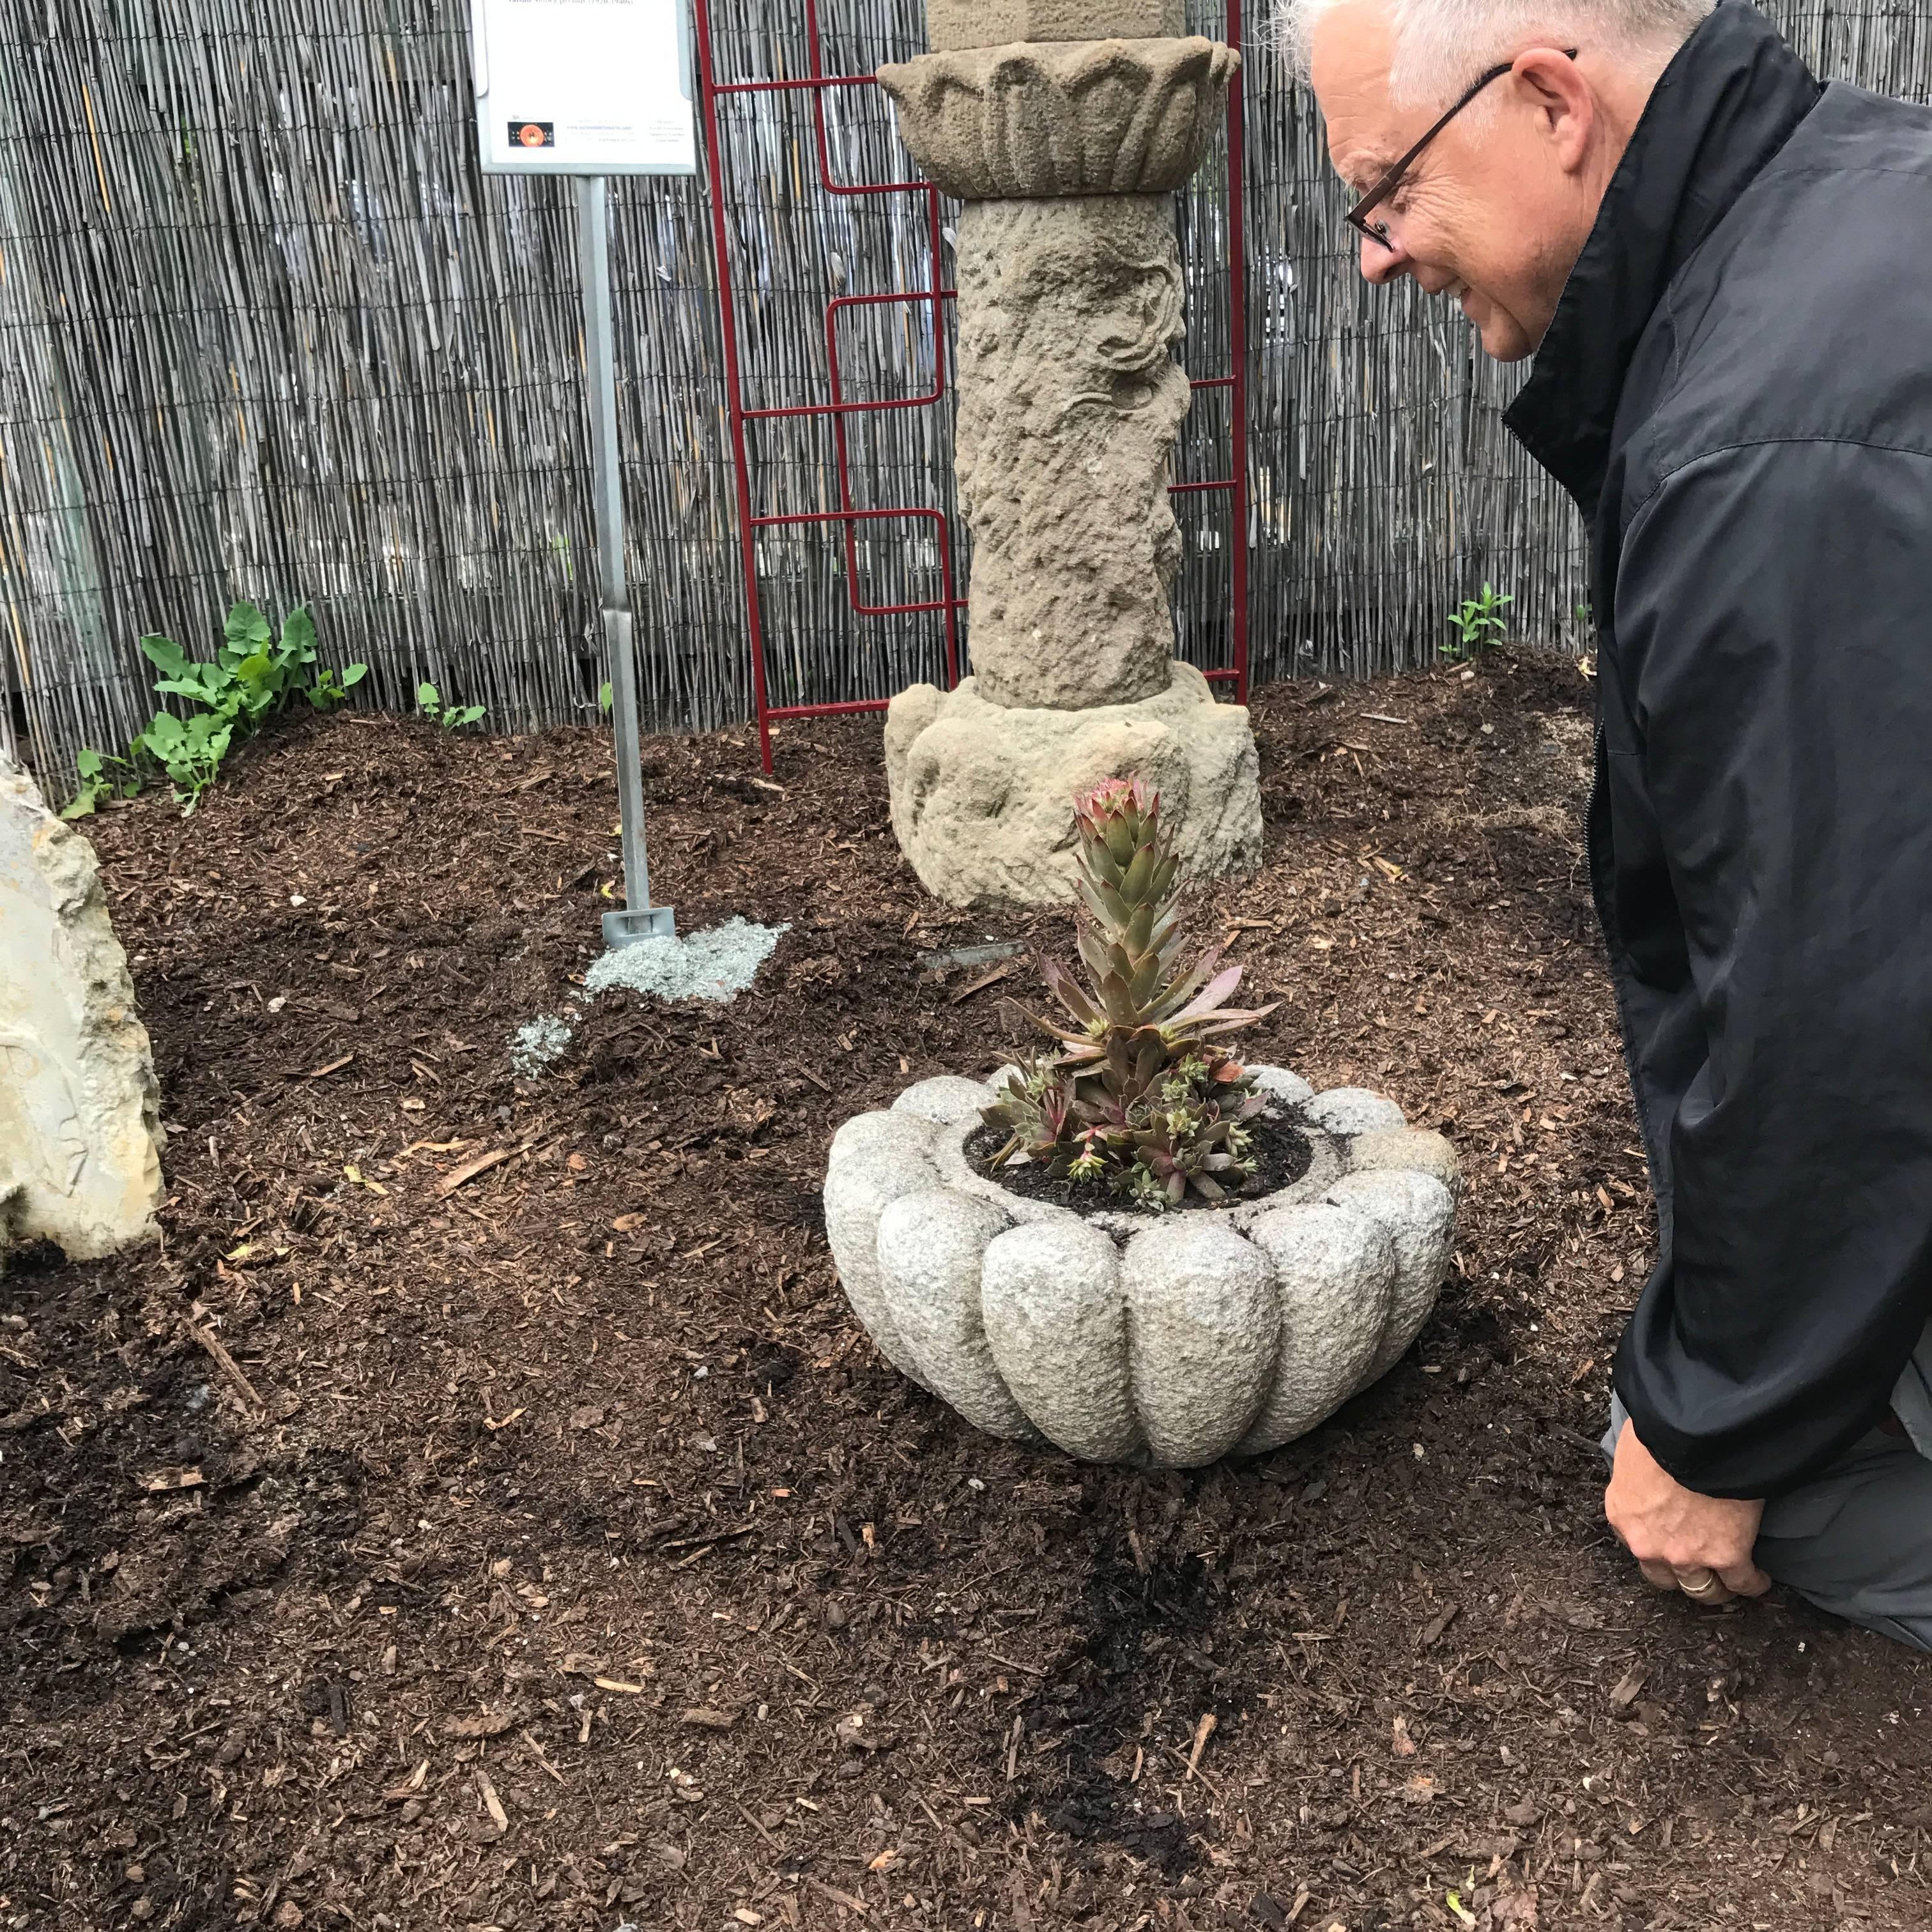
(1857, 1540)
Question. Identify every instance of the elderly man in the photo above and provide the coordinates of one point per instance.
(1721, 268)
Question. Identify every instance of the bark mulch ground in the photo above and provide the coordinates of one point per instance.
(482, 1510)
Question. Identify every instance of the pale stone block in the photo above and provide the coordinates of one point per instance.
(1415, 1149)
(1420, 1214)
(1335, 1273)
(930, 1248)
(1354, 1110)
(946, 1099)
(898, 1130)
(954, 24)
(1289, 1090)
(80, 1133)
(876, 1158)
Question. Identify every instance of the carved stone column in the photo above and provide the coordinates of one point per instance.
(1066, 145)
(1069, 401)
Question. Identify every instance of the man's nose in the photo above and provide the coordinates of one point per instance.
(1383, 261)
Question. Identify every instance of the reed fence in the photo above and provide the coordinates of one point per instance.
(267, 331)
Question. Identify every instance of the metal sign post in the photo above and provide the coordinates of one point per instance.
(594, 87)
(640, 919)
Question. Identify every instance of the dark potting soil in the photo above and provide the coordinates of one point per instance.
(1282, 1155)
(547, 1546)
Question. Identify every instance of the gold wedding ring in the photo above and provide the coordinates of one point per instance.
(1708, 1582)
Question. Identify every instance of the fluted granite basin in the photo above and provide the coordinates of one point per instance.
(1047, 118)
(1120, 1336)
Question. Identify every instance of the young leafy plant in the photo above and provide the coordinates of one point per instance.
(450, 717)
(255, 674)
(1138, 1095)
(191, 753)
(98, 784)
(1478, 623)
(331, 687)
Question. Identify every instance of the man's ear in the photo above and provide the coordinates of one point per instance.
(1548, 82)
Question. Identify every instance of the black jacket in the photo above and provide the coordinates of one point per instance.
(1737, 388)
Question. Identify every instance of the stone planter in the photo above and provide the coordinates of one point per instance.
(1120, 1336)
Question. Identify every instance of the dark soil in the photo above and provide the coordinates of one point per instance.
(558, 1553)
(1280, 1154)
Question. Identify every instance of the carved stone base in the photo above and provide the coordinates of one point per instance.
(982, 796)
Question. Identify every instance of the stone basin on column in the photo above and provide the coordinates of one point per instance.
(1065, 126)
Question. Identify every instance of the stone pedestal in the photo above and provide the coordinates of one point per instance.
(981, 792)
(1066, 147)
(80, 1135)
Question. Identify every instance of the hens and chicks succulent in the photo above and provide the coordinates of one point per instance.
(1138, 1095)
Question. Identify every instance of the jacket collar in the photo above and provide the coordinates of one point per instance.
(1732, 96)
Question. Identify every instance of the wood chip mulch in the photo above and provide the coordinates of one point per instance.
(482, 1510)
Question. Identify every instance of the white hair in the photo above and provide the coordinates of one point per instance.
(1440, 45)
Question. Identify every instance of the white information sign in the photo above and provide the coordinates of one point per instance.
(583, 86)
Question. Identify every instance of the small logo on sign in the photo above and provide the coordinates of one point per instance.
(533, 133)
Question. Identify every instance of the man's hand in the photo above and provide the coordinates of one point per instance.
(1701, 1545)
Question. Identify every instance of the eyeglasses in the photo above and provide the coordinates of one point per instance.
(1357, 217)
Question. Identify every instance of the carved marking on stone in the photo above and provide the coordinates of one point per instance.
(58, 1152)
(1069, 401)
(79, 1133)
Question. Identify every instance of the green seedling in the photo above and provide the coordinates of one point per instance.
(190, 752)
(331, 687)
(1478, 622)
(98, 784)
(450, 717)
(255, 674)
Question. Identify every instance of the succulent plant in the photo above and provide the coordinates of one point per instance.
(1137, 1093)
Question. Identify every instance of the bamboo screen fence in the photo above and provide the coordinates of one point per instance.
(266, 331)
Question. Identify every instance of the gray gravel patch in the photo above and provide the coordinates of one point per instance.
(534, 1045)
(717, 964)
